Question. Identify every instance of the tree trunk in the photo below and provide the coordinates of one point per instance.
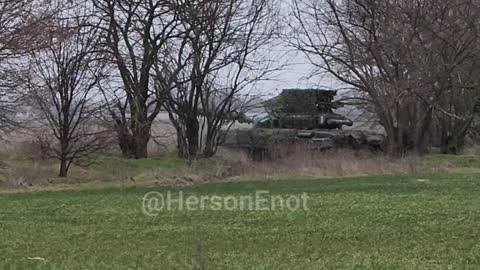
(127, 148)
(192, 137)
(452, 144)
(64, 143)
(133, 137)
(181, 143)
(63, 168)
(209, 150)
(134, 145)
(141, 144)
(210, 145)
(421, 132)
(126, 143)
(397, 142)
(188, 139)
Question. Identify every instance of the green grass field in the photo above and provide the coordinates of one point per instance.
(352, 223)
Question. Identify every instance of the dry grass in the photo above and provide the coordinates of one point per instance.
(23, 166)
(304, 163)
(472, 149)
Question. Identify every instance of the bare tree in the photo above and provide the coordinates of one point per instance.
(392, 54)
(453, 33)
(134, 32)
(19, 25)
(63, 86)
(222, 52)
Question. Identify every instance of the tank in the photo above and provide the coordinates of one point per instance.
(302, 116)
(303, 109)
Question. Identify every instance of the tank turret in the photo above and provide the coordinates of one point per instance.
(303, 109)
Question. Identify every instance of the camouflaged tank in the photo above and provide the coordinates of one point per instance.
(303, 117)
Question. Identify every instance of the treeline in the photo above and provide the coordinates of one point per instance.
(412, 64)
(122, 62)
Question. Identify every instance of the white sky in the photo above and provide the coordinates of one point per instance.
(294, 75)
(297, 73)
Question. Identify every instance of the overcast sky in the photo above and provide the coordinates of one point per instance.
(296, 73)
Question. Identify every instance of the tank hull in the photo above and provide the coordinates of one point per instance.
(260, 142)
